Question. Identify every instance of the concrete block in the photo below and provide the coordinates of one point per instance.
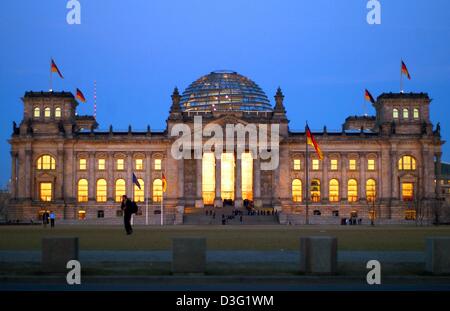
(318, 255)
(57, 251)
(189, 255)
(437, 257)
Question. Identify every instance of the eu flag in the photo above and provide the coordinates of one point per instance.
(136, 181)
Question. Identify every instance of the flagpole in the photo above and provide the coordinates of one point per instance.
(162, 198)
(307, 176)
(146, 201)
(50, 76)
(401, 76)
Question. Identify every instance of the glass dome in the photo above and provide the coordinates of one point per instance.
(224, 91)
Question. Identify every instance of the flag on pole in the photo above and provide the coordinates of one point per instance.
(311, 141)
(405, 71)
(369, 97)
(164, 183)
(136, 181)
(80, 96)
(55, 68)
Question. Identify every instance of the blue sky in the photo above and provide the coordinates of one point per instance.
(322, 53)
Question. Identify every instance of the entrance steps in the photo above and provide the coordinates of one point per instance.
(203, 216)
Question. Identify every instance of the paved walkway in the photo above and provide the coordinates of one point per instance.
(220, 256)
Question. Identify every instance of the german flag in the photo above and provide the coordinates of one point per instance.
(54, 68)
(164, 183)
(405, 71)
(369, 97)
(311, 141)
(80, 96)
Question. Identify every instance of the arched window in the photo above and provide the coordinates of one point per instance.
(157, 190)
(405, 113)
(407, 163)
(315, 190)
(37, 112)
(57, 112)
(83, 190)
(297, 190)
(416, 114)
(139, 194)
(102, 187)
(371, 190)
(395, 113)
(47, 112)
(352, 190)
(121, 189)
(46, 162)
(334, 190)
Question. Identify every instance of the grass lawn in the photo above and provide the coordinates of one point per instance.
(408, 238)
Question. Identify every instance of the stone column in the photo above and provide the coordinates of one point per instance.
(13, 174)
(325, 182)
(59, 184)
(21, 175)
(343, 182)
(238, 182)
(28, 173)
(180, 182)
(128, 178)
(393, 172)
(148, 176)
(68, 175)
(110, 179)
(91, 176)
(362, 177)
(257, 183)
(199, 181)
(438, 175)
(218, 198)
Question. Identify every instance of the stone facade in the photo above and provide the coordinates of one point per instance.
(69, 139)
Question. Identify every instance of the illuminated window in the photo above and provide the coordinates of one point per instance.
(407, 191)
(297, 190)
(334, 190)
(416, 114)
(120, 164)
(102, 190)
(83, 164)
(120, 189)
(139, 194)
(208, 178)
(57, 112)
(371, 190)
(81, 215)
(405, 113)
(352, 165)
(158, 164)
(352, 190)
(227, 176)
(46, 162)
(410, 214)
(297, 165)
(315, 164)
(315, 190)
(247, 176)
(139, 164)
(371, 164)
(101, 164)
(157, 190)
(45, 191)
(83, 190)
(47, 112)
(407, 163)
(37, 112)
(334, 164)
(395, 113)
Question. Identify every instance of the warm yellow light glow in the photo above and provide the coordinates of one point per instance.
(139, 164)
(334, 164)
(208, 178)
(334, 190)
(416, 113)
(352, 165)
(120, 189)
(315, 164)
(37, 112)
(371, 190)
(247, 176)
(315, 190)
(101, 164)
(157, 190)
(227, 176)
(371, 164)
(58, 112)
(407, 163)
(158, 164)
(83, 190)
(405, 113)
(395, 113)
(120, 164)
(47, 112)
(139, 194)
(101, 190)
(352, 190)
(46, 162)
(297, 190)
(83, 165)
(45, 191)
(407, 191)
(297, 165)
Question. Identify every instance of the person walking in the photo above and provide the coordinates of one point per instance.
(52, 219)
(127, 208)
(45, 219)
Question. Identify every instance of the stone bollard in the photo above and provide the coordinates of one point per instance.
(318, 255)
(437, 257)
(57, 251)
(189, 255)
